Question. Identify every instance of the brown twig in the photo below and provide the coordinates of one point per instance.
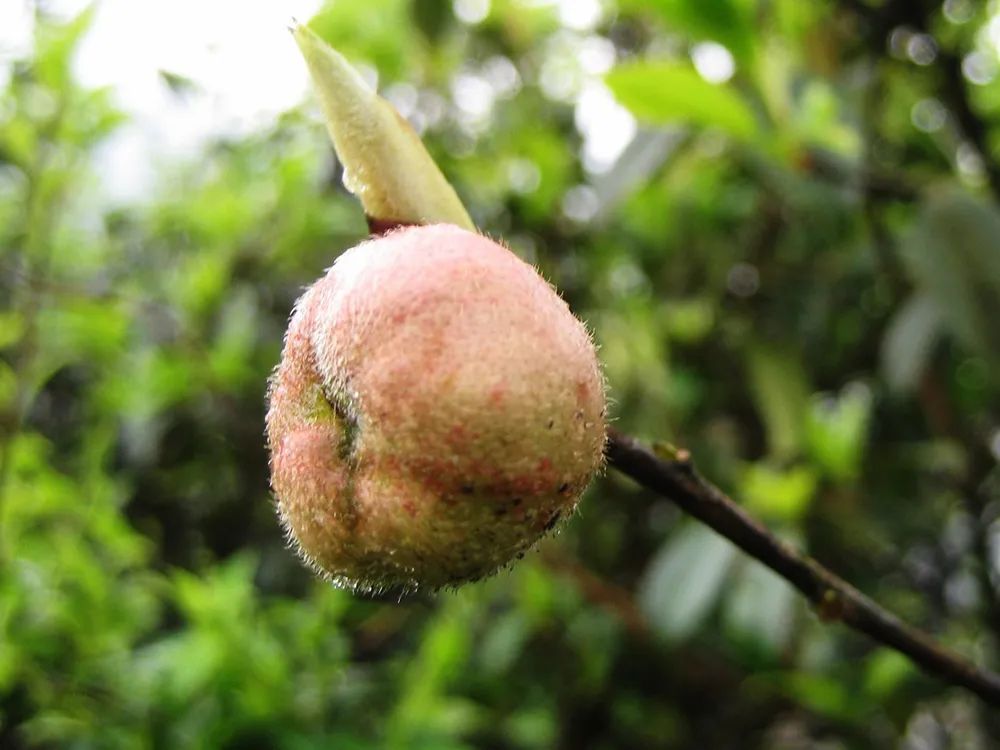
(834, 598)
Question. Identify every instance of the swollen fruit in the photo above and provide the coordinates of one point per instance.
(437, 409)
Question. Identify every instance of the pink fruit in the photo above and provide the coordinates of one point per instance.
(437, 409)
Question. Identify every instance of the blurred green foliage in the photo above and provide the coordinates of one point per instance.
(794, 272)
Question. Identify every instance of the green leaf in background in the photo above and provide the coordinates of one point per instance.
(778, 495)
(532, 728)
(819, 121)
(759, 611)
(56, 44)
(684, 579)
(503, 642)
(952, 253)
(226, 593)
(11, 328)
(837, 431)
(8, 386)
(231, 360)
(885, 671)
(780, 392)
(425, 708)
(689, 320)
(665, 93)
(909, 341)
(821, 693)
(95, 328)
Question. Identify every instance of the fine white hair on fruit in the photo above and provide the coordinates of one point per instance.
(437, 409)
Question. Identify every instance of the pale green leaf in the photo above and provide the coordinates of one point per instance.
(690, 320)
(684, 579)
(776, 494)
(665, 93)
(951, 253)
(837, 431)
(761, 607)
(909, 341)
(885, 671)
(385, 163)
(11, 328)
(780, 393)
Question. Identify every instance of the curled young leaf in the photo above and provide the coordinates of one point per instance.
(386, 164)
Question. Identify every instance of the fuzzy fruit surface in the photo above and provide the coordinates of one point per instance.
(437, 409)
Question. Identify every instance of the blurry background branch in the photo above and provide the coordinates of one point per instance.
(833, 597)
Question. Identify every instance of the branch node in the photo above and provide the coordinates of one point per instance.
(679, 457)
(830, 607)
